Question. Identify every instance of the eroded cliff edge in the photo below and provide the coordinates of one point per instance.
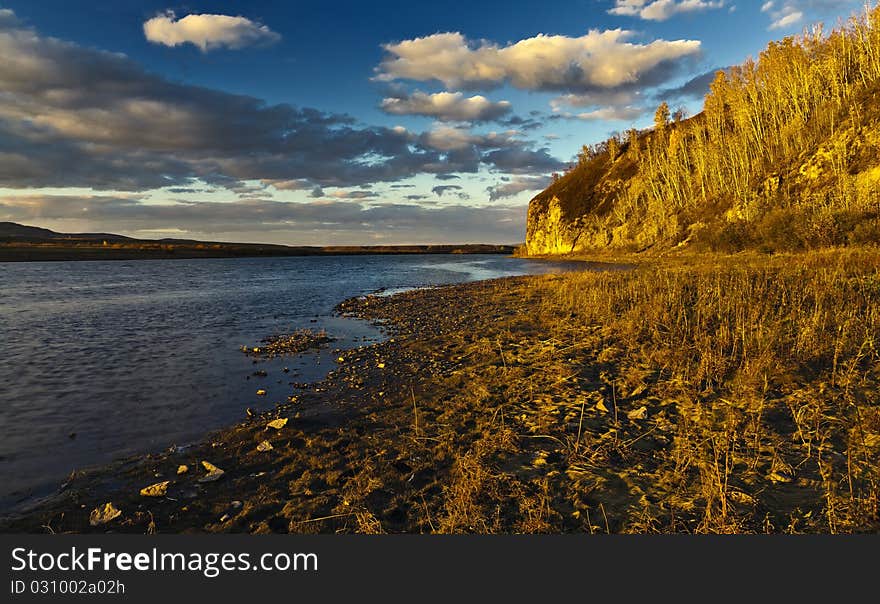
(785, 156)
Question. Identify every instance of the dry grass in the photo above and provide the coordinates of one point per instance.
(716, 395)
(710, 394)
(759, 378)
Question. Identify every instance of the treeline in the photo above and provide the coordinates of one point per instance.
(787, 150)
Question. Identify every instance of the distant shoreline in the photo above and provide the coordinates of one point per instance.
(71, 251)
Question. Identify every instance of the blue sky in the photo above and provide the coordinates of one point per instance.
(346, 122)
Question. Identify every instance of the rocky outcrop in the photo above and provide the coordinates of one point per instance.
(825, 192)
(549, 231)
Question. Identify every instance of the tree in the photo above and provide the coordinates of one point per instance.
(661, 117)
(613, 146)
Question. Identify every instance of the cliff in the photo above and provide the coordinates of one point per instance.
(784, 156)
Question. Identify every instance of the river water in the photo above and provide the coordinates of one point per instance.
(107, 359)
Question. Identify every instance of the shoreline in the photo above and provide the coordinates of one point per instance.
(558, 403)
(80, 252)
(118, 480)
(365, 375)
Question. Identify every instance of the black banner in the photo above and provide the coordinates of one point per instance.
(397, 568)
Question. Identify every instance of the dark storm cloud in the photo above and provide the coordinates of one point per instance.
(524, 123)
(524, 161)
(694, 89)
(441, 190)
(75, 116)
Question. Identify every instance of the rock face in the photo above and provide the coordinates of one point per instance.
(549, 231)
(571, 214)
(825, 192)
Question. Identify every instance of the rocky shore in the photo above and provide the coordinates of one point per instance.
(370, 449)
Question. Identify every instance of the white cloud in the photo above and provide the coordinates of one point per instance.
(516, 185)
(446, 106)
(619, 114)
(448, 138)
(453, 138)
(782, 16)
(621, 106)
(208, 32)
(661, 10)
(786, 13)
(787, 19)
(598, 60)
(623, 97)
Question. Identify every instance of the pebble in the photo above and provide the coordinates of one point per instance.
(156, 490)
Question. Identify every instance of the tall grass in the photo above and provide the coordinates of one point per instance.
(765, 374)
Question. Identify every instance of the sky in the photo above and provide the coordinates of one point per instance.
(326, 123)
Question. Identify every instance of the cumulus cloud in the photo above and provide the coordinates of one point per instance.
(312, 223)
(77, 117)
(660, 10)
(208, 32)
(517, 185)
(451, 138)
(444, 137)
(598, 60)
(501, 151)
(596, 99)
(446, 106)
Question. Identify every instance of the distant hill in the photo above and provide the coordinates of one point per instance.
(20, 242)
(21, 232)
(784, 156)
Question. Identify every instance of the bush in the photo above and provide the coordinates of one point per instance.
(780, 230)
(866, 232)
(729, 238)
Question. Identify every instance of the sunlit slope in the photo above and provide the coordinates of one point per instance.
(785, 155)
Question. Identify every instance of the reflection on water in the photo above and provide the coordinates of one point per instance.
(104, 359)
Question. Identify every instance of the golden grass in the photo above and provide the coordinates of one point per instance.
(728, 394)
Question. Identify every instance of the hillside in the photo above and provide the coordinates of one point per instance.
(784, 156)
(12, 231)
